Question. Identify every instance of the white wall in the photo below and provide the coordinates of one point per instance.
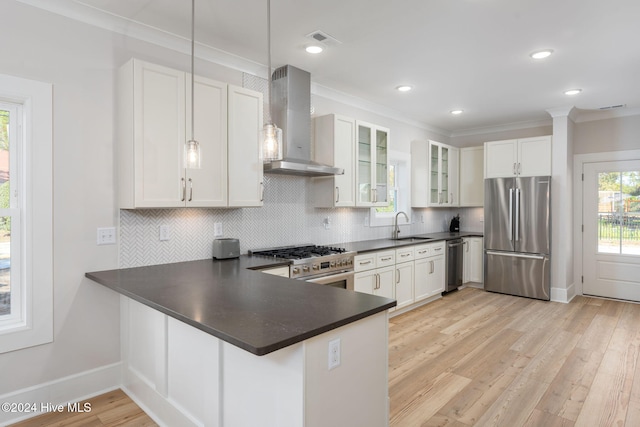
(616, 134)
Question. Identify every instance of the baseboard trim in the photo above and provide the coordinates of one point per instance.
(564, 295)
(72, 388)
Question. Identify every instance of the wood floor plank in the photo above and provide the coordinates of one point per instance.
(607, 402)
(597, 336)
(568, 390)
(426, 403)
(539, 418)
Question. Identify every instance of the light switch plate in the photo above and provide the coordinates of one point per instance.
(106, 236)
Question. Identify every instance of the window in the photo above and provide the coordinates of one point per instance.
(26, 299)
(11, 309)
(399, 189)
(619, 212)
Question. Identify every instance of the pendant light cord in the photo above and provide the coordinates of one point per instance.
(269, 121)
(193, 44)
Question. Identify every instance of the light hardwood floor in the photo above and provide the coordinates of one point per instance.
(475, 358)
(110, 409)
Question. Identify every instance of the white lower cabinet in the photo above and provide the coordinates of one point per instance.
(429, 270)
(408, 275)
(473, 261)
(404, 276)
(375, 274)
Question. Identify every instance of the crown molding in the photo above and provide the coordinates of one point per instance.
(354, 101)
(593, 115)
(501, 128)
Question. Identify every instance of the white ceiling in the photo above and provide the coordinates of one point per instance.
(467, 54)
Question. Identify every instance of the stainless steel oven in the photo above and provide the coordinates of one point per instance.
(342, 280)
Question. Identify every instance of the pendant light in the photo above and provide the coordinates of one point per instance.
(271, 135)
(192, 153)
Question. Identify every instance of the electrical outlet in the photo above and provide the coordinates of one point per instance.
(107, 236)
(164, 233)
(217, 229)
(334, 353)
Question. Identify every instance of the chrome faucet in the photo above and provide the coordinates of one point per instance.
(396, 229)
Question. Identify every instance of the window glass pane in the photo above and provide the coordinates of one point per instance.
(609, 212)
(619, 212)
(5, 222)
(630, 216)
(5, 265)
(392, 206)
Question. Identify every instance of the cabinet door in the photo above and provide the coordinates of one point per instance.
(452, 176)
(476, 260)
(404, 284)
(386, 282)
(159, 135)
(245, 151)
(500, 158)
(364, 172)
(422, 270)
(381, 192)
(472, 176)
(436, 277)
(366, 282)
(534, 156)
(434, 174)
(466, 260)
(335, 142)
(207, 186)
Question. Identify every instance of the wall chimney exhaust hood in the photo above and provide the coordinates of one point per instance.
(291, 110)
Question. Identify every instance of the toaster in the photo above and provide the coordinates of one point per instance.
(226, 248)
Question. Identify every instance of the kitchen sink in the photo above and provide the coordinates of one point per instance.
(413, 239)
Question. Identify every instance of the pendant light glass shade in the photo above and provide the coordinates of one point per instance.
(192, 153)
(271, 142)
(271, 135)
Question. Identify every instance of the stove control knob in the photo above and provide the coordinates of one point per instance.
(316, 267)
(333, 264)
(295, 270)
(305, 268)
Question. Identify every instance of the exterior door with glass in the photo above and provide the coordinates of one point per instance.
(611, 237)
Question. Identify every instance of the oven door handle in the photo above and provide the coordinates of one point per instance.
(330, 277)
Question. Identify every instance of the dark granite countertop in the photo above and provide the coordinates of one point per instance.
(382, 244)
(257, 312)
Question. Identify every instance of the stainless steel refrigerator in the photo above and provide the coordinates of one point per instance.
(517, 236)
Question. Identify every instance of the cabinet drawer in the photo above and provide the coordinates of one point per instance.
(386, 258)
(404, 254)
(437, 248)
(421, 251)
(364, 262)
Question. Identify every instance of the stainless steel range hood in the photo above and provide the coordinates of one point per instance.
(291, 110)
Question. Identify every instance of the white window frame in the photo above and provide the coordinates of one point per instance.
(403, 192)
(35, 323)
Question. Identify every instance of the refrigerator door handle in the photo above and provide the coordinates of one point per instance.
(511, 214)
(517, 218)
(516, 255)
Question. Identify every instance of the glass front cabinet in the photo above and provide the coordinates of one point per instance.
(443, 174)
(372, 164)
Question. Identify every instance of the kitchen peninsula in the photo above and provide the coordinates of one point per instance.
(217, 343)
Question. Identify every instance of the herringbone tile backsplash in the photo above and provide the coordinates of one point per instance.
(286, 218)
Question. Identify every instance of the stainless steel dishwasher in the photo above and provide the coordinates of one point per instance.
(453, 276)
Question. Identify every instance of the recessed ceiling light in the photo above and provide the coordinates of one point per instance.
(572, 91)
(456, 112)
(313, 48)
(404, 88)
(541, 54)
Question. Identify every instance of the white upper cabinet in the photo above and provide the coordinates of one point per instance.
(518, 157)
(154, 121)
(335, 144)
(472, 176)
(434, 174)
(372, 157)
(246, 188)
